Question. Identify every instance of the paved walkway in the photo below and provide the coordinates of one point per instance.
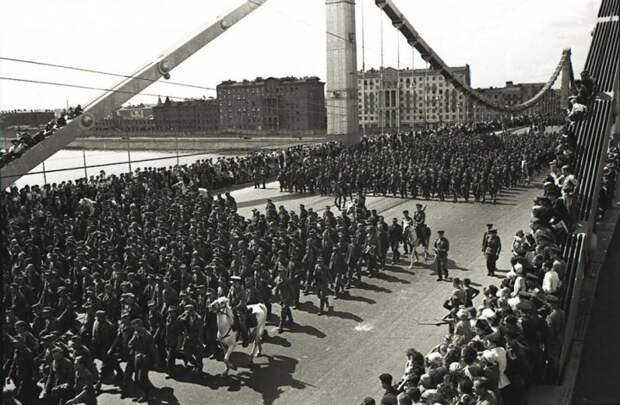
(338, 358)
(598, 381)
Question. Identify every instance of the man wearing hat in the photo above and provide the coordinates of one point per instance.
(554, 336)
(238, 303)
(21, 372)
(407, 222)
(193, 327)
(395, 234)
(441, 248)
(155, 322)
(493, 247)
(59, 384)
(485, 236)
(143, 348)
(173, 331)
(102, 337)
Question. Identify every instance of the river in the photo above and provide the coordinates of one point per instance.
(115, 163)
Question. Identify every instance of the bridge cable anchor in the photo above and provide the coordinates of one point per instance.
(86, 120)
(164, 69)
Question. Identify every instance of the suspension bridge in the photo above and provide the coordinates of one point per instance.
(341, 81)
(338, 359)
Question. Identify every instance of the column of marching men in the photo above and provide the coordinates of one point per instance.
(139, 257)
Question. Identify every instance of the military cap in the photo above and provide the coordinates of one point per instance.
(441, 232)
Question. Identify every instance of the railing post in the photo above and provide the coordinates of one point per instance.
(44, 176)
(176, 137)
(129, 153)
(84, 161)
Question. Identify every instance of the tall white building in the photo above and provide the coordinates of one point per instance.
(391, 99)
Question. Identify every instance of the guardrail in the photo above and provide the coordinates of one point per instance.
(575, 253)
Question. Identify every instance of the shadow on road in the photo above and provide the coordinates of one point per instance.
(308, 330)
(163, 396)
(270, 378)
(313, 309)
(392, 279)
(277, 340)
(371, 287)
(349, 297)
(452, 266)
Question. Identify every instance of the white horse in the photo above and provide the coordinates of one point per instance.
(228, 337)
(416, 237)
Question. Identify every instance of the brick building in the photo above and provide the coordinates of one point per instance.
(272, 104)
(188, 115)
(25, 118)
(512, 94)
(390, 99)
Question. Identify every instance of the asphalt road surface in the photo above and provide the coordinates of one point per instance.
(336, 359)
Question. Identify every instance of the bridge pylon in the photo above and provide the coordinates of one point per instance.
(341, 77)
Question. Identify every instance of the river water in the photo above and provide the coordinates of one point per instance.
(115, 163)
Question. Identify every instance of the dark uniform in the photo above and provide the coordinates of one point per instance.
(493, 246)
(441, 247)
(395, 234)
(321, 277)
(143, 348)
(337, 267)
(352, 260)
(238, 303)
(193, 344)
(173, 331)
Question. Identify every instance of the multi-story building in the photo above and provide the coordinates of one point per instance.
(272, 104)
(132, 118)
(136, 112)
(391, 99)
(512, 94)
(25, 118)
(189, 115)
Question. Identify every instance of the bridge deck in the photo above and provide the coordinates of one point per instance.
(337, 358)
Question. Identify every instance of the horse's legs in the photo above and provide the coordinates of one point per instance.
(229, 351)
(254, 345)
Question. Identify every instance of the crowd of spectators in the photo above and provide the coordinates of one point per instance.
(610, 178)
(26, 140)
(580, 102)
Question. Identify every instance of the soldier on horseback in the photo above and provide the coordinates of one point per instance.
(237, 298)
(419, 234)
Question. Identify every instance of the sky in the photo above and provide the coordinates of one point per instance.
(501, 40)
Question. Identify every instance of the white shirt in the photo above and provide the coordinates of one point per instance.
(502, 363)
(551, 282)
